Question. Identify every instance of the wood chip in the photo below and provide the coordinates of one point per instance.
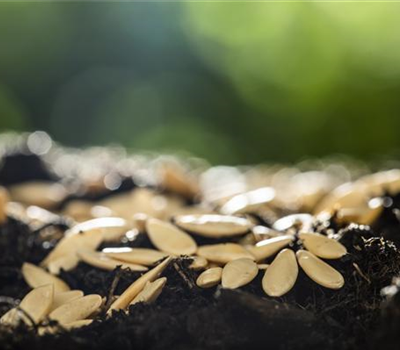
(77, 309)
(281, 275)
(136, 287)
(319, 271)
(268, 247)
(65, 297)
(4, 199)
(209, 278)
(238, 273)
(213, 226)
(150, 292)
(66, 263)
(141, 256)
(199, 263)
(322, 246)
(223, 252)
(168, 238)
(36, 277)
(101, 261)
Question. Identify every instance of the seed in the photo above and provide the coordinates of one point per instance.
(262, 266)
(223, 252)
(36, 304)
(199, 263)
(66, 262)
(375, 208)
(150, 292)
(77, 324)
(238, 273)
(65, 297)
(79, 210)
(176, 180)
(281, 275)
(303, 221)
(141, 256)
(36, 277)
(319, 271)
(268, 247)
(4, 199)
(136, 287)
(170, 239)
(261, 233)
(209, 278)
(77, 309)
(101, 261)
(322, 246)
(214, 226)
(139, 221)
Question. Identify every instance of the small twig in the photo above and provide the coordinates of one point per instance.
(112, 288)
(185, 278)
(361, 273)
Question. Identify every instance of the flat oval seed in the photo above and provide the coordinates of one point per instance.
(101, 261)
(319, 271)
(238, 273)
(77, 309)
(209, 278)
(4, 199)
(289, 221)
(323, 246)
(268, 247)
(223, 252)
(262, 266)
(77, 324)
(170, 239)
(36, 277)
(66, 262)
(281, 275)
(150, 292)
(65, 297)
(141, 256)
(214, 226)
(198, 263)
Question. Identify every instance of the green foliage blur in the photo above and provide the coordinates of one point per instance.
(232, 82)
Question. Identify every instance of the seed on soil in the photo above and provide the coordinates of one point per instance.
(176, 180)
(322, 246)
(35, 277)
(136, 287)
(170, 239)
(268, 247)
(141, 256)
(213, 225)
(299, 221)
(199, 263)
(65, 297)
(150, 292)
(319, 271)
(238, 273)
(66, 262)
(224, 252)
(139, 221)
(262, 266)
(77, 309)
(281, 274)
(209, 278)
(4, 199)
(261, 233)
(77, 324)
(101, 261)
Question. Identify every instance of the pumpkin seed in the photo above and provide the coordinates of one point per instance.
(136, 287)
(319, 271)
(139, 221)
(281, 275)
(150, 292)
(261, 232)
(79, 210)
(77, 324)
(223, 252)
(170, 239)
(303, 221)
(4, 199)
(209, 278)
(238, 273)
(36, 277)
(77, 309)
(198, 263)
(174, 179)
(322, 246)
(65, 297)
(141, 256)
(262, 266)
(268, 247)
(66, 262)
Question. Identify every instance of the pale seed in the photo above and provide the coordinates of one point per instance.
(281, 274)
(65, 297)
(36, 277)
(262, 266)
(77, 324)
(79, 210)
(268, 247)
(170, 239)
(223, 252)
(150, 292)
(199, 263)
(319, 271)
(176, 180)
(4, 199)
(141, 256)
(303, 221)
(139, 221)
(322, 246)
(209, 278)
(238, 273)
(66, 262)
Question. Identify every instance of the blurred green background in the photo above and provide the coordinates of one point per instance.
(231, 82)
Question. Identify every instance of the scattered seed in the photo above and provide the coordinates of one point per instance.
(136, 287)
(213, 225)
(209, 278)
(238, 273)
(141, 256)
(303, 221)
(199, 263)
(322, 246)
(168, 238)
(139, 221)
(66, 262)
(77, 324)
(261, 233)
(268, 247)
(150, 292)
(4, 199)
(176, 180)
(281, 275)
(36, 277)
(77, 309)
(65, 297)
(262, 266)
(101, 261)
(223, 252)
(319, 271)
(79, 210)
